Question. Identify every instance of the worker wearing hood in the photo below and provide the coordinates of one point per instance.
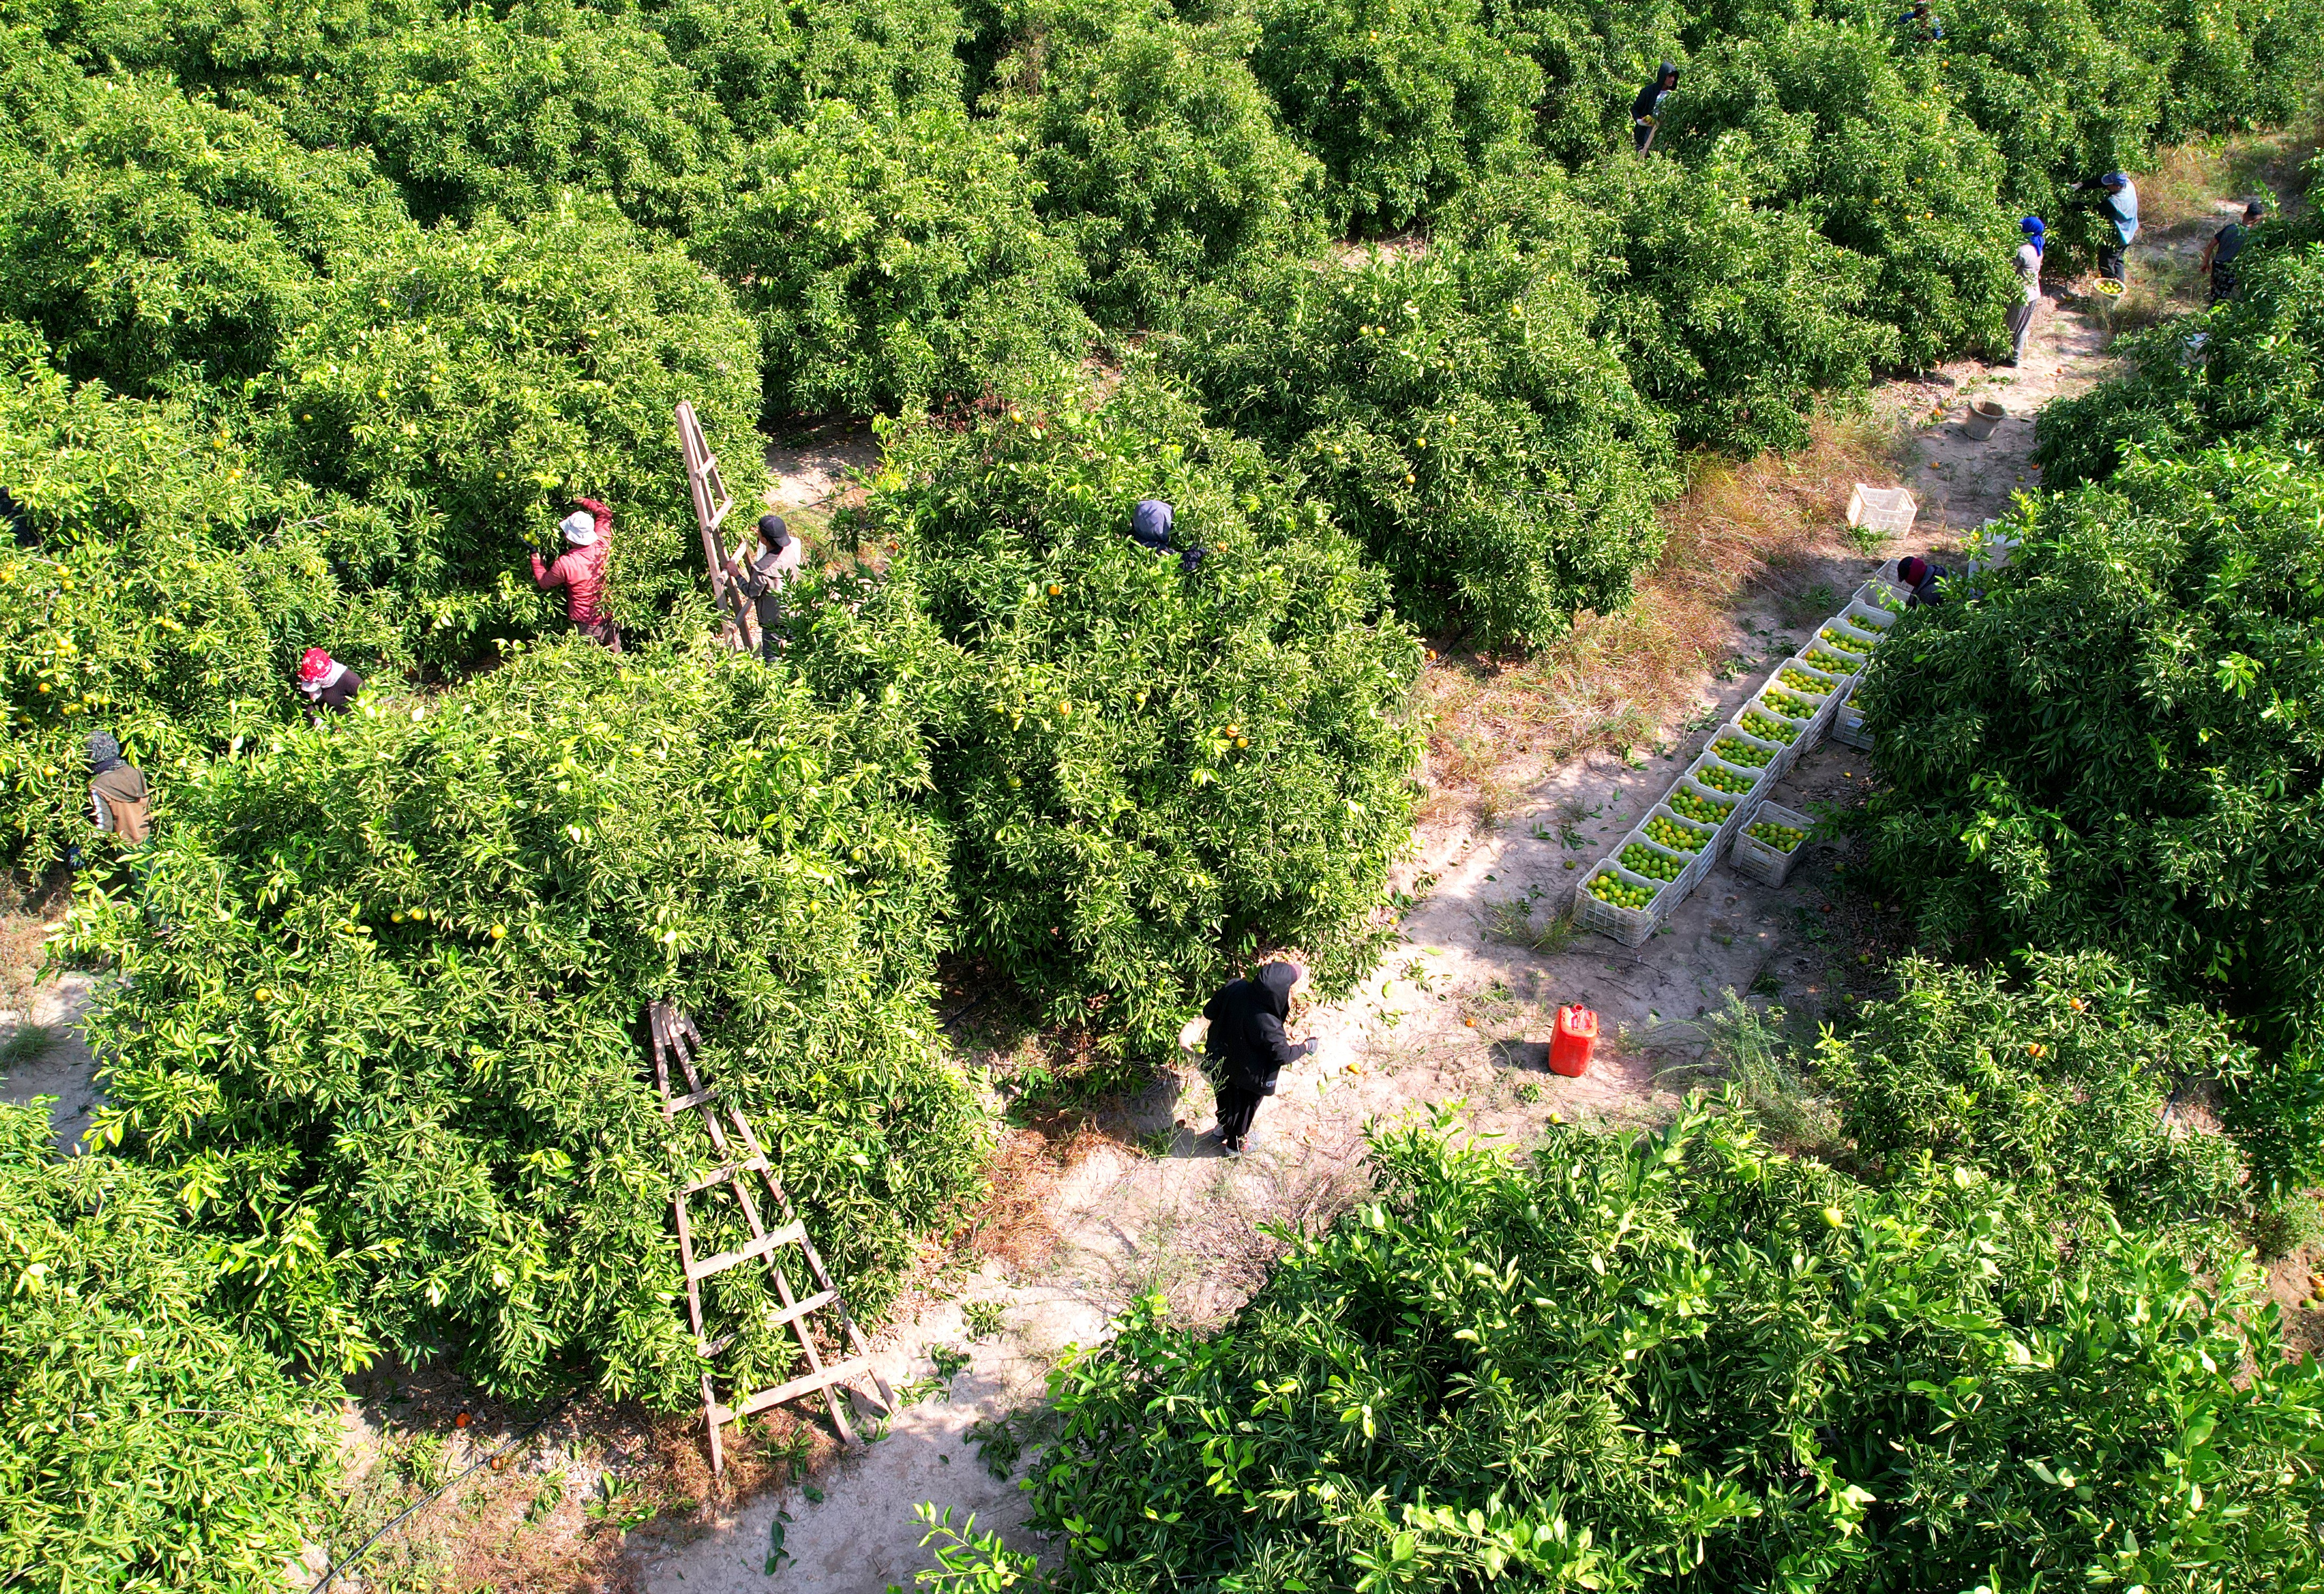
(1248, 1047)
(117, 791)
(1645, 111)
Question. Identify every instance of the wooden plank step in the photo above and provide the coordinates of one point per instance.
(678, 1104)
(747, 1165)
(791, 1314)
(790, 1234)
(806, 1383)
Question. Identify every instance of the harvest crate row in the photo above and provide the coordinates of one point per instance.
(1715, 804)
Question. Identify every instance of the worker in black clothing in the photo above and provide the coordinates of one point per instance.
(1645, 111)
(1246, 1048)
(2219, 253)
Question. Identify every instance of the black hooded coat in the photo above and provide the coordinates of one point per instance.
(1247, 1038)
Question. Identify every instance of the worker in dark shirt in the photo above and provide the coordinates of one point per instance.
(329, 685)
(2219, 253)
(1645, 111)
(1246, 1048)
(1920, 579)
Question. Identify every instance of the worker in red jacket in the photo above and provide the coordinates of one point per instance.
(580, 569)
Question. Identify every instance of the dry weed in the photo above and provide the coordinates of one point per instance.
(1763, 526)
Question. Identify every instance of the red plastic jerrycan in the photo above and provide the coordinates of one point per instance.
(1575, 1038)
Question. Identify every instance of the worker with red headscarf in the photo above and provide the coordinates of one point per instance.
(580, 569)
(329, 685)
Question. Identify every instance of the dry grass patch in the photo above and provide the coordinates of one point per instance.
(1771, 530)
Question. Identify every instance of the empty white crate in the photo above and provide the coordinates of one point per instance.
(1888, 510)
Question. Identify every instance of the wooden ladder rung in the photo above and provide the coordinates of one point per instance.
(791, 1314)
(790, 1234)
(806, 1383)
(747, 1165)
(678, 1104)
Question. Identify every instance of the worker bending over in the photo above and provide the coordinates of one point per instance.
(329, 685)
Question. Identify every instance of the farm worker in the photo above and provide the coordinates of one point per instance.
(2120, 207)
(1922, 24)
(1922, 577)
(329, 685)
(117, 791)
(581, 570)
(780, 556)
(2029, 279)
(1151, 523)
(1247, 1045)
(2219, 253)
(1646, 109)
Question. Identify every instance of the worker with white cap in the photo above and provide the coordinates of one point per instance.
(580, 569)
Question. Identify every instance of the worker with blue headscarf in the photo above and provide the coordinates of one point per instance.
(2029, 282)
(2118, 203)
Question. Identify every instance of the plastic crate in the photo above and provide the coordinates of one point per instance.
(1888, 510)
(1835, 688)
(1772, 771)
(1755, 859)
(1848, 725)
(1864, 617)
(1733, 802)
(1803, 736)
(1703, 857)
(1751, 799)
(1633, 927)
(1888, 597)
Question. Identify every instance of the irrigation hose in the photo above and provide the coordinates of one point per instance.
(363, 1548)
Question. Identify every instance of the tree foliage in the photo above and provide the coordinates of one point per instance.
(2254, 379)
(381, 1018)
(894, 259)
(1160, 156)
(2115, 748)
(1402, 102)
(1655, 1360)
(150, 1444)
(1150, 773)
(2059, 1083)
(1459, 413)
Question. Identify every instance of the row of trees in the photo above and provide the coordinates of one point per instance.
(312, 319)
(2010, 1333)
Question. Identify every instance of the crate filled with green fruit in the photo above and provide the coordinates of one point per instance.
(1618, 904)
(1766, 848)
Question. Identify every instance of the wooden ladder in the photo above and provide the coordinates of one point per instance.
(675, 1037)
(711, 503)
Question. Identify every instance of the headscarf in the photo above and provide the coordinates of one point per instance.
(580, 528)
(103, 753)
(1151, 523)
(1912, 571)
(2256, 210)
(1666, 70)
(317, 672)
(2032, 227)
(775, 531)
